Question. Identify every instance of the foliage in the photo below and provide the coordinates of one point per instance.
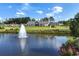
(33, 19)
(24, 20)
(1, 27)
(65, 23)
(70, 48)
(17, 20)
(47, 18)
(44, 19)
(74, 25)
(51, 18)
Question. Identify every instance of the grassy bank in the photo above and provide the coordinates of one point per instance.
(48, 30)
(37, 29)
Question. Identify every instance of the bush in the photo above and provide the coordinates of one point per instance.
(52, 26)
(1, 27)
(11, 29)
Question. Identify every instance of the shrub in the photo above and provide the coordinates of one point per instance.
(52, 26)
(1, 27)
(11, 29)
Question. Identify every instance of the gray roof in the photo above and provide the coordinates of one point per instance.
(42, 23)
(30, 22)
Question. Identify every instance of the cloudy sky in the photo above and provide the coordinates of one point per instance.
(60, 11)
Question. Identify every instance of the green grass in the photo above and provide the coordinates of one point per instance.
(71, 38)
(48, 28)
(38, 29)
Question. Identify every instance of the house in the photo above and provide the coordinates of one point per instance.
(37, 23)
(30, 23)
(52, 23)
(41, 23)
(60, 23)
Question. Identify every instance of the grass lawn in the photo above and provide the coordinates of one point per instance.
(48, 28)
(38, 29)
(56, 29)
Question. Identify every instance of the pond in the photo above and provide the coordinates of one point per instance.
(34, 45)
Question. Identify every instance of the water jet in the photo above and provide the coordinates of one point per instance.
(22, 32)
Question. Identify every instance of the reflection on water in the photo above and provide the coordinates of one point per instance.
(33, 45)
(22, 44)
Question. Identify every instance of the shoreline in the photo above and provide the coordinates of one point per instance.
(38, 32)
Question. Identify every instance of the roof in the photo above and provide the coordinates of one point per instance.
(30, 22)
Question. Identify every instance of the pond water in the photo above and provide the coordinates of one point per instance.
(34, 45)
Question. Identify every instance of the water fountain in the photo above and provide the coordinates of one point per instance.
(22, 32)
(22, 37)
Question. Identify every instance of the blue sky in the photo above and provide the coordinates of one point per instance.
(60, 11)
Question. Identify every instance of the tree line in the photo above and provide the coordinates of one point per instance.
(24, 20)
(17, 20)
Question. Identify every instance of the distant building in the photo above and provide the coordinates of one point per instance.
(60, 23)
(37, 23)
(31, 23)
(52, 23)
(41, 23)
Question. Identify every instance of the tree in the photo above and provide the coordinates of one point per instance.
(74, 25)
(17, 20)
(51, 18)
(47, 19)
(32, 19)
(66, 23)
(44, 19)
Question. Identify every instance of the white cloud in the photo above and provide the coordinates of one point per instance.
(19, 13)
(57, 9)
(9, 6)
(39, 12)
(49, 14)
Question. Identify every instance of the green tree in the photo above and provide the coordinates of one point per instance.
(33, 19)
(44, 19)
(51, 18)
(65, 23)
(47, 18)
(17, 20)
(74, 25)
